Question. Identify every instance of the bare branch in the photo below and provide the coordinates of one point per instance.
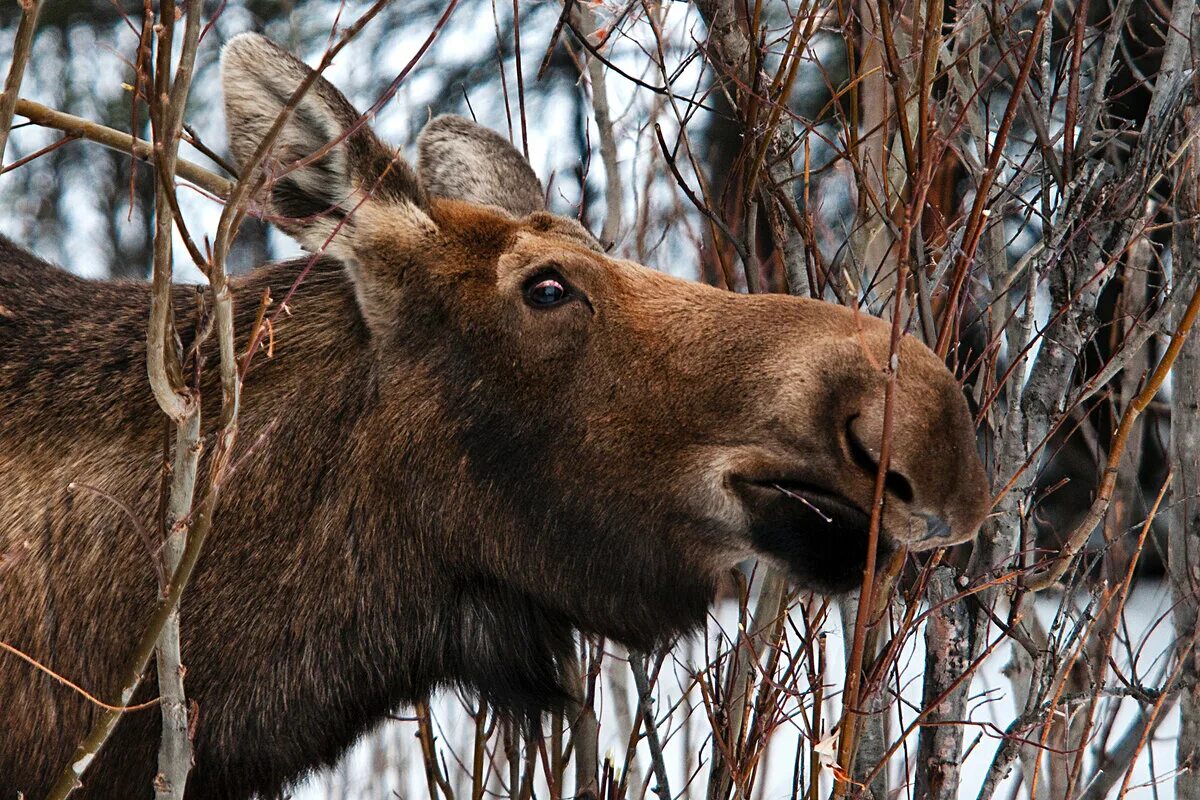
(729, 50)
(121, 142)
(583, 20)
(947, 643)
(1079, 536)
(22, 48)
(637, 664)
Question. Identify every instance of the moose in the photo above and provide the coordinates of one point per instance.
(478, 436)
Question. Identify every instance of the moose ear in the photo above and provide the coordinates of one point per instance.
(355, 175)
(465, 161)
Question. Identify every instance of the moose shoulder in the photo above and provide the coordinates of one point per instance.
(478, 434)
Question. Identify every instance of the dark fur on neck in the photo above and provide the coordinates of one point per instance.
(331, 591)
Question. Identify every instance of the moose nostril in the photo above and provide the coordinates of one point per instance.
(935, 528)
(893, 481)
(898, 485)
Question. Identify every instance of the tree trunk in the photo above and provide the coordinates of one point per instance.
(1183, 549)
(948, 645)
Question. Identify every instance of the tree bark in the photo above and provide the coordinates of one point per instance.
(948, 632)
(1183, 548)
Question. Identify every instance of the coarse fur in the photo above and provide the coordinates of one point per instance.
(438, 482)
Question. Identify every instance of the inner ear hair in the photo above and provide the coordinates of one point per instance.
(308, 201)
(259, 79)
(462, 160)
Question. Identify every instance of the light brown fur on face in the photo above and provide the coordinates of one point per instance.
(440, 481)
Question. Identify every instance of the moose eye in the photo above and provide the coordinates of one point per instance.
(545, 291)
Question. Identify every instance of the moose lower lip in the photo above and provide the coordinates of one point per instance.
(821, 535)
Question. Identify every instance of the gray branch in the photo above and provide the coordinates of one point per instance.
(1183, 545)
(948, 654)
(22, 47)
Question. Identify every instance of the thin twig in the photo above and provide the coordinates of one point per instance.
(121, 142)
(22, 48)
(614, 190)
(1079, 536)
(86, 695)
(637, 665)
(729, 51)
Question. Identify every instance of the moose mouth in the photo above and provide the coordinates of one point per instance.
(820, 535)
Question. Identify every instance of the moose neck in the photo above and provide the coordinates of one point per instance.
(359, 478)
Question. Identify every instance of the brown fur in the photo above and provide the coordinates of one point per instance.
(446, 482)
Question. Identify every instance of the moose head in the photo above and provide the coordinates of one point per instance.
(478, 434)
(594, 397)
